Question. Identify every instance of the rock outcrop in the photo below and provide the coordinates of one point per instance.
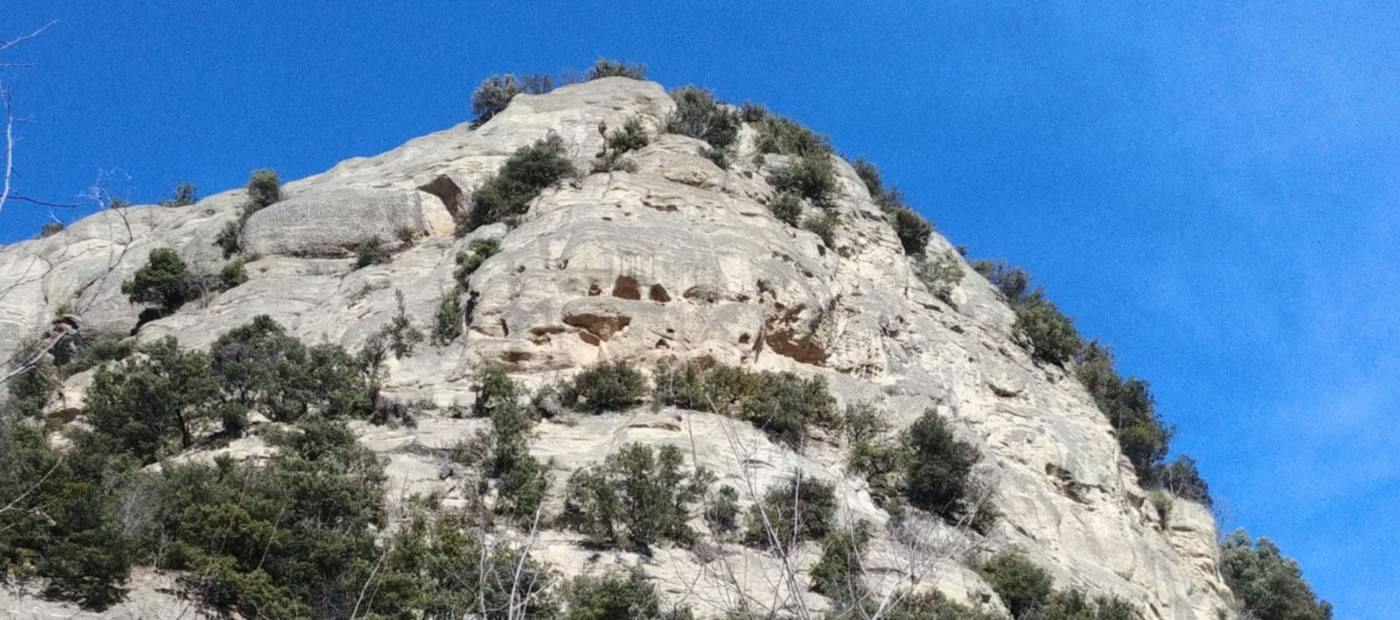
(678, 260)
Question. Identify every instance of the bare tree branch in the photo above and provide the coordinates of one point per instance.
(4, 45)
(45, 203)
(9, 144)
(9, 167)
(56, 333)
(520, 567)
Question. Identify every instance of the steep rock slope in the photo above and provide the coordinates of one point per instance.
(675, 261)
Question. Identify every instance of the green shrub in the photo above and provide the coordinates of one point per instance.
(258, 365)
(537, 83)
(607, 386)
(1268, 585)
(477, 252)
(613, 597)
(1132, 411)
(635, 499)
(890, 201)
(236, 531)
(450, 320)
(291, 538)
(631, 137)
(230, 238)
(233, 274)
(912, 229)
(699, 115)
(1074, 605)
(164, 281)
(1161, 500)
(810, 175)
(777, 134)
(155, 405)
(508, 194)
(838, 574)
(1013, 282)
(937, 467)
(934, 606)
(888, 198)
(798, 509)
(927, 466)
(863, 422)
(521, 480)
(1028, 591)
(879, 462)
(30, 390)
(1022, 586)
(705, 386)
(493, 95)
(92, 348)
(751, 112)
(371, 251)
(870, 175)
(787, 207)
(50, 229)
(612, 161)
(824, 226)
(722, 512)
(1052, 334)
(1183, 480)
(60, 522)
(496, 393)
(439, 567)
(406, 235)
(718, 157)
(264, 188)
(783, 404)
(183, 196)
(940, 275)
(616, 68)
(400, 334)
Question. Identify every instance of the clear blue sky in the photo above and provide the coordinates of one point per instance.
(1208, 186)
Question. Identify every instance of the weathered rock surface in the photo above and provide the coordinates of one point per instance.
(330, 223)
(675, 261)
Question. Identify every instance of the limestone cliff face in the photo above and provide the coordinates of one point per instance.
(675, 261)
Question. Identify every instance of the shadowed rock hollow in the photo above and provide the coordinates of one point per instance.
(678, 260)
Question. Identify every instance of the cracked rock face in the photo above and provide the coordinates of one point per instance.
(678, 260)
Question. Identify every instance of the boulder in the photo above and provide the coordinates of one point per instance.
(332, 222)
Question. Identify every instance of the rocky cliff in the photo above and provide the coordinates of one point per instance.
(677, 260)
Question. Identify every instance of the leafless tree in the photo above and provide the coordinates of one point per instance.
(6, 188)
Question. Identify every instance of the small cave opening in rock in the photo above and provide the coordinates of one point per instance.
(602, 326)
(447, 191)
(146, 316)
(627, 287)
(658, 293)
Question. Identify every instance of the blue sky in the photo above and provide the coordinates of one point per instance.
(1208, 186)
